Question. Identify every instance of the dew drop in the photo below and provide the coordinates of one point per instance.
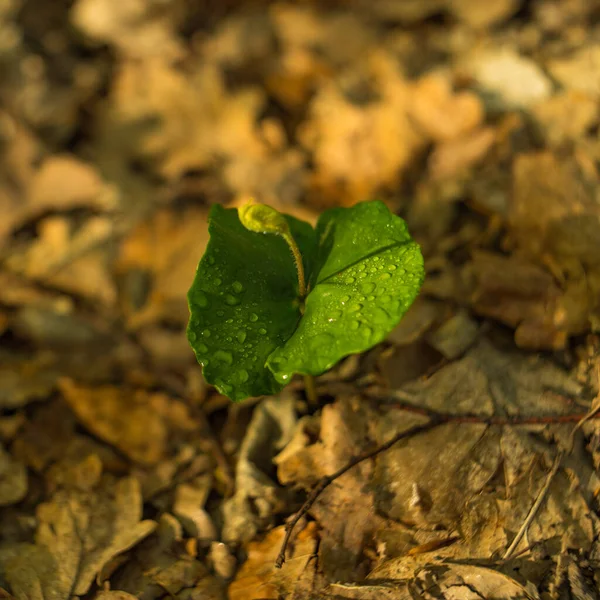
(242, 375)
(253, 317)
(241, 336)
(217, 281)
(262, 331)
(344, 299)
(354, 325)
(355, 308)
(229, 321)
(349, 280)
(220, 313)
(192, 336)
(384, 276)
(211, 260)
(392, 267)
(223, 356)
(201, 300)
(376, 259)
(237, 287)
(202, 348)
(231, 300)
(206, 333)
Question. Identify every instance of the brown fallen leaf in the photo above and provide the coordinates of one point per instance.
(521, 294)
(156, 264)
(77, 534)
(25, 379)
(432, 100)
(358, 149)
(457, 465)
(114, 595)
(346, 510)
(69, 259)
(13, 479)
(258, 577)
(128, 419)
(64, 182)
(135, 29)
(160, 565)
(448, 581)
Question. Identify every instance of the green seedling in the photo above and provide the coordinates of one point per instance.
(273, 297)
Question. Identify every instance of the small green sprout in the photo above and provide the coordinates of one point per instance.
(273, 297)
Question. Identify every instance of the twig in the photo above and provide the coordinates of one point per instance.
(578, 418)
(328, 479)
(536, 505)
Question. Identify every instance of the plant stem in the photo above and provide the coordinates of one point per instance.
(291, 242)
(309, 380)
(311, 390)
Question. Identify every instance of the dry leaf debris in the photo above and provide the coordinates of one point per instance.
(121, 123)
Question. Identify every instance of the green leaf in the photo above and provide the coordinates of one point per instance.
(244, 303)
(368, 272)
(246, 326)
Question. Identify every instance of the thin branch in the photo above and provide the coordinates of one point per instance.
(329, 479)
(535, 507)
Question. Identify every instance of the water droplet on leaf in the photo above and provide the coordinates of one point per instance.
(237, 287)
(241, 336)
(253, 317)
(223, 356)
(201, 300)
(231, 300)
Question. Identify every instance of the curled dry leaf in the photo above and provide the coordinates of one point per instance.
(257, 497)
(77, 535)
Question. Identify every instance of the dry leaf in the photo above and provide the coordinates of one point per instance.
(157, 262)
(433, 100)
(258, 577)
(257, 497)
(359, 148)
(161, 566)
(128, 419)
(77, 534)
(345, 511)
(13, 479)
